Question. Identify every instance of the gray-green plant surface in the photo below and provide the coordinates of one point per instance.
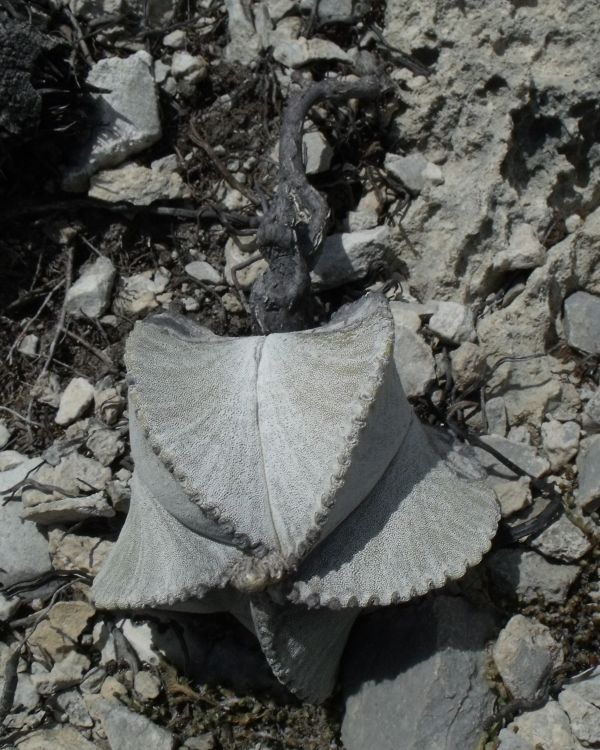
(286, 478)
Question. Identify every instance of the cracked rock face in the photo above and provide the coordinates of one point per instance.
(510, 117)
(286, 479)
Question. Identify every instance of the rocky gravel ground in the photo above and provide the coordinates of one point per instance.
(468, 195)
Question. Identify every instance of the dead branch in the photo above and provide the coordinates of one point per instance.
(291, 231)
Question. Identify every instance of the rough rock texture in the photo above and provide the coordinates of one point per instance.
(582, 321)
(349, 257)
(529, 576)
(89, 296)
(127, 116)
(582, 704)
(138, 185)
(525, 654)
(409, 669)
(127, 730)
(77, 397)
(562, 541)
(512, 105)
(23, 549)
(547, 728)
(588, 465)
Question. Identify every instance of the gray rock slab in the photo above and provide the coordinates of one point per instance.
(562, 541)
(69, 509)
(524, 456)
(525, 654)
(547, 728)
(582, 321)
(126, 117)
(349, 257)
(75, 400)
(23, 549)
(414, 678)
(200, 270)
(294, 53)
(126, 730)
(591, 413)
(581, 701)
(529, 576)
(588, 467)
(414, 361)
(453, 322)
(89, 296)
(317, 152)
(137, 185)
(63, 738)
(561, 441)
(414, 171)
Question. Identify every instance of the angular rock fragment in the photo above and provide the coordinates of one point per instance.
(23, 549)
(563, 541)
(561, 441)
(295, 53)
(75, 400)
(453, 323)
(414, 171)
(588, 468)
(200, 270)
(127, 730)
(548, 727)
(138, 185)
(89, 296)
(581, 702)
(524, 250)
(524, 456)
(582, 321)
(530, 577)
(349, 257)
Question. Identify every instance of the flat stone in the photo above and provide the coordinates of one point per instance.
(546, 728)
(23, 549)
(529, 576)
(244, 43)
(561, 441)
(453, 323)
(349, 257)
(74, 707)
(524, 251)
(29, 345)
(582, 321)
(9, 459)
(524, 456)
(495, 415)
(190, 67)
(404, 315)
(366, 214)
(139, 293)
(581, 701)
(126, 119)
(75, 400)
(468, 365)
(588, 467)
(200, 270)
(337, 11)
(562, 541)
(146, 685)
(13, 476)
(64, 674)
(591, 413)
(513, 494)
(89, 296)
(175, 40)
(200, 742)
(4, 434)
(295, 53)
(65, 738)
(79, 552)
(414, 361)
(317, 152)
(106, 445)
(69, 510)
(138, 185)
(414, 677)
(126, 730)
(525, 654)
(58, 635)
(415, 172)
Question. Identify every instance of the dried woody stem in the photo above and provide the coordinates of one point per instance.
(291, 231)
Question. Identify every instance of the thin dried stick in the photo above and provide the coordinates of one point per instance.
(32, 320)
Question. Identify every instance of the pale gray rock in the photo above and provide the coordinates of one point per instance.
(588, 467)
(494, 76)
(89, 296)
(453, 323)
(175, 40)
(77, 397)
(560, 441)
(349, 257)
(126, 730)
(406, 673)
(77, 552)
(244, 43)
(513, 495)
(581, 702)
(29, 345)
(294, 53)
(13, 475)
(524, 250)
(414, 361)
(317, 152)
(524, 456)
(406, 316)
(75, 709)
(105, 445)
(366, 214)
(562, 541)
(414, 171)
(531, 577)
(468, 365)
(8, 607)
(337, 11)
(200, 742)
(279, 8)
(238, 250)
(525, 655)
(146, 685)
(139, 293)
(64, 674)
(495, 416)
(548, 727)
(10, 459)
(127, 119)
(138, 185)
(591, 413)
(92, 8)
(582, 321)
(65, 738)
(69, 509)
(200, 270)
(190, 67)
(23, 549)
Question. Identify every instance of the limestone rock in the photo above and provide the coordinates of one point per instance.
(85, 554)
(138, 293)
(127, 119)
(407, 670)
(244, 43)
(414, 361)
(561, 441)
(523, 456)
(529, 576)
(90, 295)
(317, 152)
(106, 445)
(562, 541)
(75, 400)
(190, 67)
(65, 673)
(69, 509)
(525, 654)
(349, 257)
(581, 701)
(294, 53)
(524, 250)
(127, 730)
(23, 549)
(582, 321)
(58, 635)
(4, 434)
(146, 685)
(548, 727)
(200, 270)
(495, 416)
(138, 185)
(414, 171)
(453, 323)
(468, 365)
(74, 475)
(65, 738)
(29, 345)
(588, 467)
(238, 250)
(591, 413)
